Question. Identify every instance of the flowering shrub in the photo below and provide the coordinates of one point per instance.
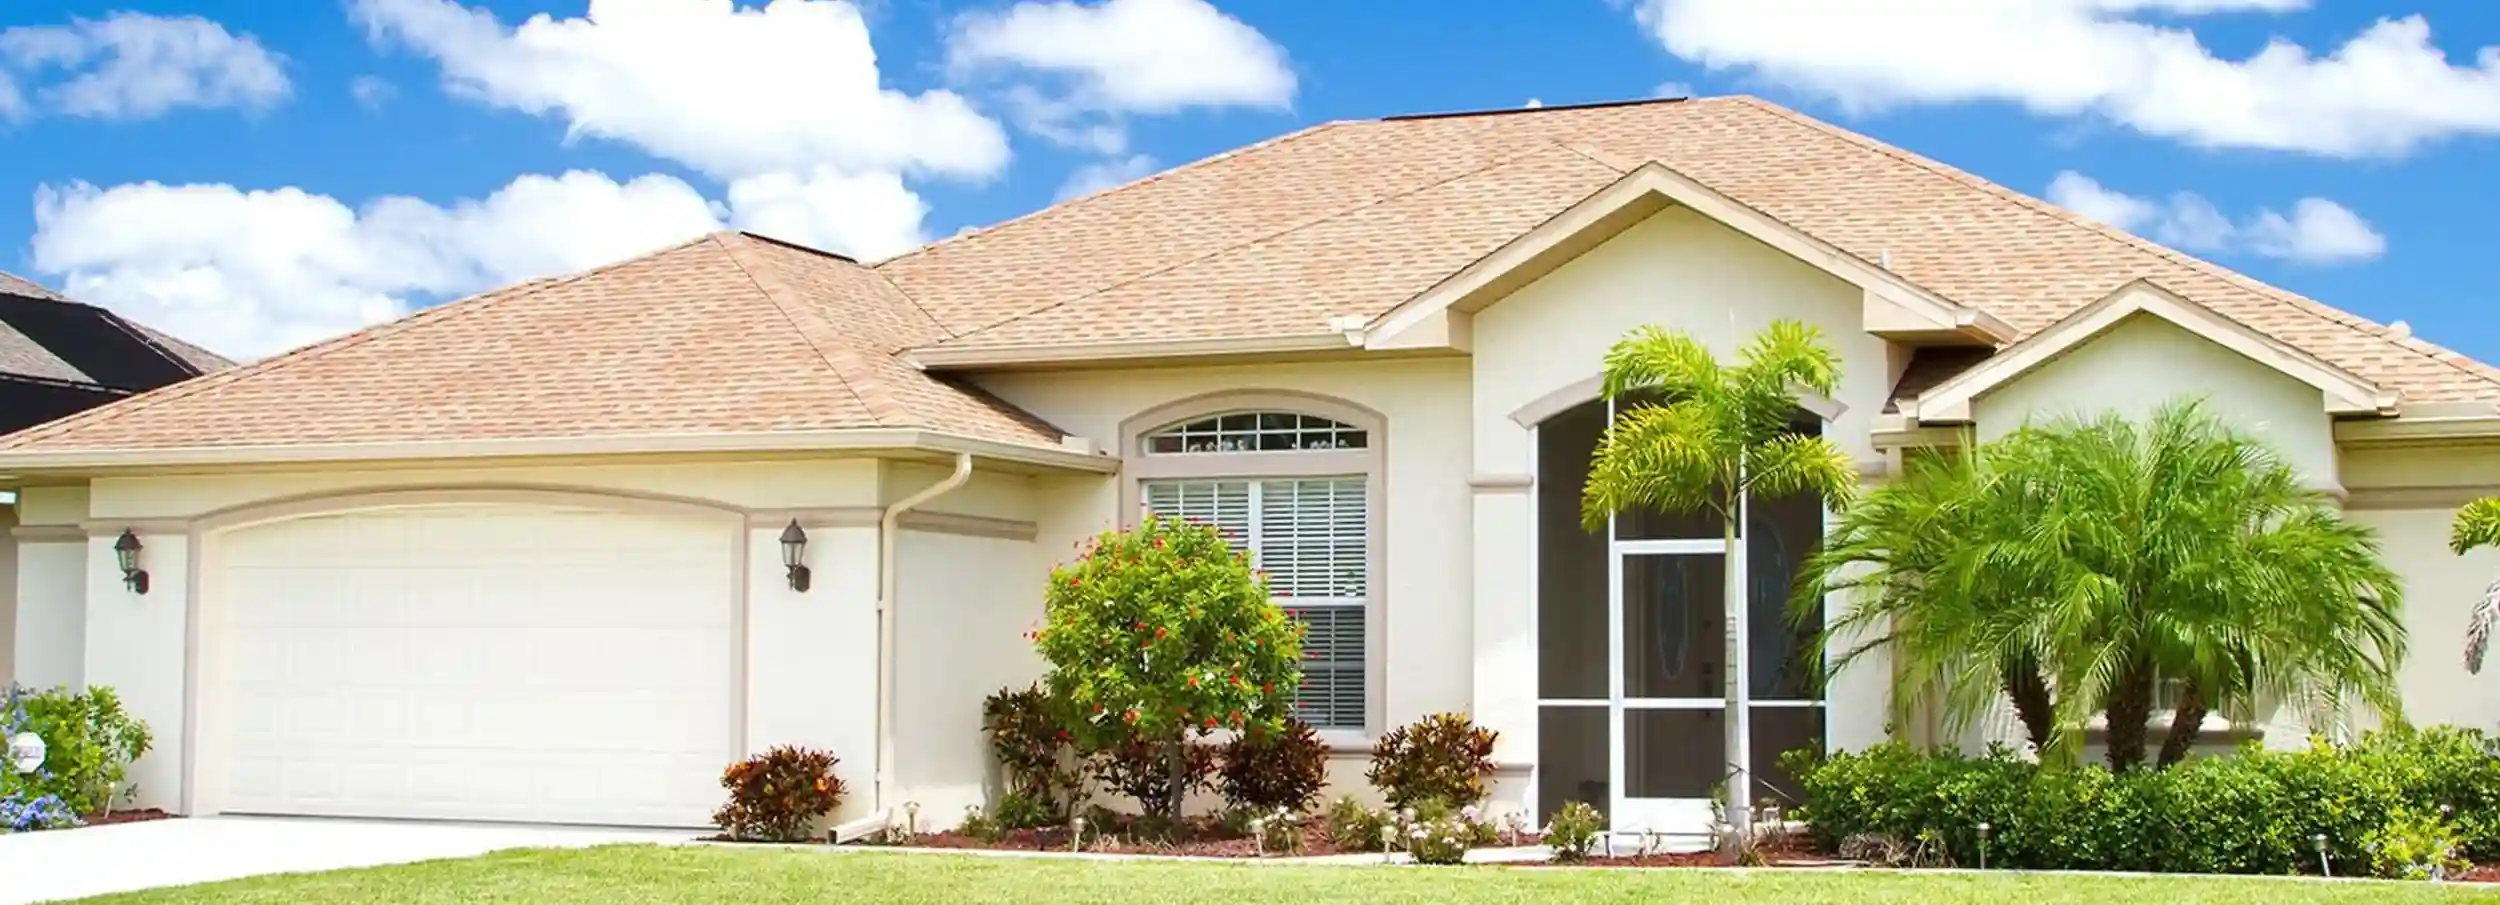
(20, 813)
(1035, 751)
(2416, 846)
(1444, 757)
(1274, 770)
(1437, 835)
(1163, 632)
(778, 796)
(1573, 831)
(1353, 826)
(89, 745)
(1279, 832)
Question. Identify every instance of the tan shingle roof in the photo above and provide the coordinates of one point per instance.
(735, 334)
(725, 334)
(1352, 218)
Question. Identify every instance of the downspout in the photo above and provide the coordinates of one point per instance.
(886, 530)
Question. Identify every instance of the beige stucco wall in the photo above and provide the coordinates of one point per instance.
(50, 647)
(2441, 588)
(962, 608)
(1678, 270)
(8, 595)
(2144, 362)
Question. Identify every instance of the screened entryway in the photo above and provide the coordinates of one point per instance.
(1634, 714)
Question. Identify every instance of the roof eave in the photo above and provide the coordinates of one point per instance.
(948, 358)
(1073, 457)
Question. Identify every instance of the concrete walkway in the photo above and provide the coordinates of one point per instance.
(66, 864)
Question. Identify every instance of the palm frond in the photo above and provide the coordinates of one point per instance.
(2478, 525)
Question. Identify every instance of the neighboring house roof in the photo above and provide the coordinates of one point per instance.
(725, 334)
(59, 357)
(1294, 237)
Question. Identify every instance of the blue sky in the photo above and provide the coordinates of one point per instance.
(255, 175)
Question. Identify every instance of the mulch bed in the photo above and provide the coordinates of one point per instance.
(1196, 838)
(138, 816)
(1796, 854)
(2480, 873)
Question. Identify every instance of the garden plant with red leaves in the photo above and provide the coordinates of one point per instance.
(778, 796)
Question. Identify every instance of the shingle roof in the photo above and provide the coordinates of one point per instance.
(724, 334)
(733, 333)
(1352, 218)
(47, 336)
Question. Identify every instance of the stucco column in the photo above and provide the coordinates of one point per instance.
(1503, 683)
(811, 667)
(138, 644)
(50, 620)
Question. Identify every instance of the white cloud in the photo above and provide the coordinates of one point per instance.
(1100, 175)
(253, 272)
(134, 66)
(733, 92)
(2318, 231)
(869, 217)
(1672, 89)
(1114, 59)
(2384, 92)
(371, 91)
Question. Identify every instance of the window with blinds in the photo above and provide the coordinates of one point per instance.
(1312, 536)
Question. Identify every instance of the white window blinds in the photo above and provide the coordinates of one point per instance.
(1312, 536)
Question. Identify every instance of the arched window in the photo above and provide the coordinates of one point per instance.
(1294, 488)
(1239, 432)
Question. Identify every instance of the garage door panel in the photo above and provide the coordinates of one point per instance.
(487, 663)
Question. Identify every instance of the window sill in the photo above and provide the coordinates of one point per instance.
(1347, 742)
(2215, 730)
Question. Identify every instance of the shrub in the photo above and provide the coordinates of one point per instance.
(1434, 833)
(1034, 749)
(1265, 770)
(1161, 632)
(1279, 831)
(778, 796)
(1019, 811)
(980, 825)
(89, 744)
(2415, 846)
(2254, 812)
(1573, 831)
(1444, 757)
(1353, 826)
(1140, 770)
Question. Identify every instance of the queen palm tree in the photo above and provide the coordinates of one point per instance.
(2078, 565)
(1694, 435)
(2478, 525)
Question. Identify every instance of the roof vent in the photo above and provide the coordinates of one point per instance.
(2399, 330)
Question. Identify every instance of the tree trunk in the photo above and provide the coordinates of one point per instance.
(2185, 722)
(1176, 778)
(2130, 705)
(2032, 703)
(1738, 809)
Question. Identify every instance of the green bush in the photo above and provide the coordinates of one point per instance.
(2415, 846)
(1020, 811)
(2255, 812)
(1353, 826)
(1030, 743)
(89, 745)
(778, 796)
(1444, 757)
(1572, 834)
(1264, 770)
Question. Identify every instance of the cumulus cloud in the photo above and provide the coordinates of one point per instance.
(2317, 231)
(134, 66)
(1100, 175)
(2137, 63)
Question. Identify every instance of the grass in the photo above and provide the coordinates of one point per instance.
(691, 875)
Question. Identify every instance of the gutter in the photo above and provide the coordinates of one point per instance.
(865, 440)
(886, 530)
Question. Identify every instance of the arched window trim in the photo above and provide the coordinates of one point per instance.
(1242, 430)
(1140, 469)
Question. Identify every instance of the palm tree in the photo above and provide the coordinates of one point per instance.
(2478, 525)
(2079, 565)
(1694, 435)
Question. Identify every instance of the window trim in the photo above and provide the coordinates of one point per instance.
(1137, 468)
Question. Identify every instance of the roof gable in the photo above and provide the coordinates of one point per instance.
(2343, 392)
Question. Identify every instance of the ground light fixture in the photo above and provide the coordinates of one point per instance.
(126, 551)
(793, 555)
(26, 751)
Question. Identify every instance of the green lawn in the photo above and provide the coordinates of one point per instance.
(637, 874)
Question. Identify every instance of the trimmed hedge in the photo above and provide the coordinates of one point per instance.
(2255, 812)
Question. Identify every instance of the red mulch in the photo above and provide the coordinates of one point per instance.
(137, 816)
(1203, 838)
(2480, 873)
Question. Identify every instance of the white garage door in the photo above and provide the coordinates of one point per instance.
(477, 663)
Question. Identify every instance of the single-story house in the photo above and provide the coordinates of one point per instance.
(522, 556)
(59, 357)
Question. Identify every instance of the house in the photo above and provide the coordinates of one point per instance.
(59, 357)
(523, 556)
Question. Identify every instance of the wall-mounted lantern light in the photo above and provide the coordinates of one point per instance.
(26, 751)
(794, 554)
(127, 551)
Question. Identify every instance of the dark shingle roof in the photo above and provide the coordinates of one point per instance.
(49, 336)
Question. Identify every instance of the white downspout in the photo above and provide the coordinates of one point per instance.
(886, 529)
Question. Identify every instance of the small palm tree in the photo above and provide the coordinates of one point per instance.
(2077, 566)
(1694, 435)
(2478, 525)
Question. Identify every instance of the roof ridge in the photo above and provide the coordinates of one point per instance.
(863, 268)
(1219, 156)
(2263, 290)
(1545, 145)
(772, 292)
(185, 389)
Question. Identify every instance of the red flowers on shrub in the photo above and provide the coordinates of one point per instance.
(778, 796)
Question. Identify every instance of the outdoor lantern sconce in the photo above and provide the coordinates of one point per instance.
(127, 551)
(26, 751)
(793, 550)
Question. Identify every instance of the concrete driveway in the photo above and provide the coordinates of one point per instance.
(37, 867)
